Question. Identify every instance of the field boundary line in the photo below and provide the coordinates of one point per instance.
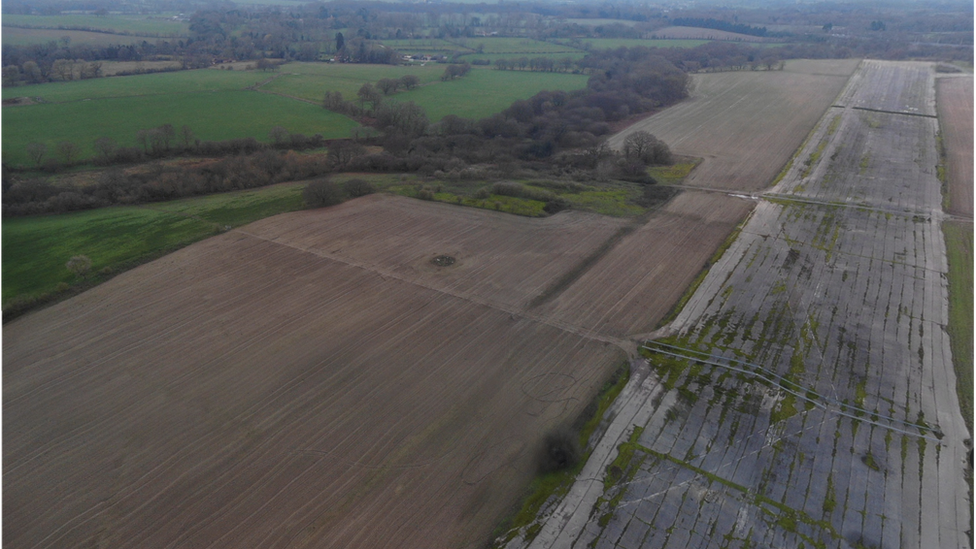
(564, 282)
(627, 346)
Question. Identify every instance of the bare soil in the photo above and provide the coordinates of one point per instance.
(286, 384)
(744, 124)
(955, 105)
(635, 285)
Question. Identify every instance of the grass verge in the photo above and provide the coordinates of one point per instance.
(116, 239)
(959, 249)
(675, 173)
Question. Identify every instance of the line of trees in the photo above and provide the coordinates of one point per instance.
(370, 94)
(263, 166)
(539, 64)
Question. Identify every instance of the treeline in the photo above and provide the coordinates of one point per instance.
(717, 24)
(161, 182)
(539, 64)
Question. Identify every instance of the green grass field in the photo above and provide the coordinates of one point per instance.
(25, 37)
(311, 80)
(614, 198)
(575, 55)
(607, 43)
(481, 93)
(212, 102)
(35, 249)
(130, 24)
(211, 115)
(484, 92)
(420, 44)
(961, 251)
(215, 105)
(509, 45)
(179, 82)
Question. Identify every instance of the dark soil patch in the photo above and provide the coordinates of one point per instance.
(443, 261)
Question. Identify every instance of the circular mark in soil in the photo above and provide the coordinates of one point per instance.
(443, 261)
(550, 387)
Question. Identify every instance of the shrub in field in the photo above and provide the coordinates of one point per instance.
(409, 81)
(556, 204)
(560, 450)
(322, 192)
(79, 264)
(358, 187)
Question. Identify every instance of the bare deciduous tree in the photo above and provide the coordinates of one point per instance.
(36, 151)
(278, 135)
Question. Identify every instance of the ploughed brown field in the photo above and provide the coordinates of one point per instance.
(631, 289)
(955, 102)
(745, 125)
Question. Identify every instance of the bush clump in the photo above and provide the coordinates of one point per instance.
(358, 187)
(79, 265)
(322, 192)
(560, 450)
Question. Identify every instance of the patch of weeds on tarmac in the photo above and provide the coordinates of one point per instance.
(782, 515)
(815, 155)
(871, 462)
(548, 488)
(830, 498)
(618, 473)
(669, 368)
